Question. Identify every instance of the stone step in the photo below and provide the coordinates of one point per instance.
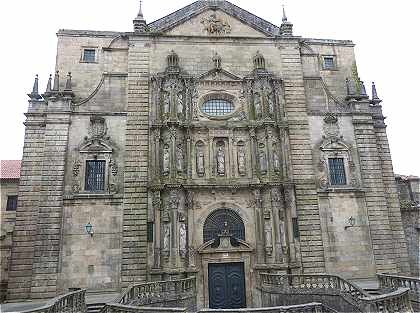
(94, 307)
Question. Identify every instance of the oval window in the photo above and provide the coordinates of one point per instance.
(218, 107)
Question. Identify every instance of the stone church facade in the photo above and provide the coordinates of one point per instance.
(209, 143)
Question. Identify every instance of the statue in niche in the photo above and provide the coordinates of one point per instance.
(183, 240)
(263, 161)
(180, 105)
(257, 105)
(166, 239)
(166, 160)
(220, 161)
(268, 239)
(179, 159)
(270, 101)
(241, 161)
(200, 163)
(166, 104)
(276, 161)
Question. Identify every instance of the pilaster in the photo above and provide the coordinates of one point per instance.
(391, 193)
(376, 202)
(134, 238)
(25, 231)
(49, 228)
(302, 171)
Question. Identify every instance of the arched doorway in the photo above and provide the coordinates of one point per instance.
(226, 279)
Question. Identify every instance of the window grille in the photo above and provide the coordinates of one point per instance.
(89, 55)
(150, 227)
(11, 203)
(218, 107)
(329, 63)
(221, 220)
(95, 176)
(337, 171)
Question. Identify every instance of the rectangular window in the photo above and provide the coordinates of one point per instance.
(337, 171)
(11, 203)
(150, 231)
(89, 55)
(329, 63)
(95, 176)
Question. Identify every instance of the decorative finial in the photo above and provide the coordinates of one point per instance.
(375, 99)
(363, 93)
(34, 95)
(284, 19)
(56, 86)
(49, 89)
(140, 25)
(286, 28)
(68, 83)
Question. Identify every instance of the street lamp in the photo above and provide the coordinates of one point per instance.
(89, 229)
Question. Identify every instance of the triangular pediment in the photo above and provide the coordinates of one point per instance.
(214, 18)
(95, 146)
(219, 75)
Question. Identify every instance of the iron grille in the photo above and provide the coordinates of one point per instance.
(218, 107)
(95, 176)
(221, 220)
(337, 171)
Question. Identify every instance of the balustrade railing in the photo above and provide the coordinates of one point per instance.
(313, 282)
(396, 299)
(158, 292)
(394, 281)
(72, 302)
(314, 307)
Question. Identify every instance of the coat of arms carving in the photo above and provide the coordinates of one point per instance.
(216, 26)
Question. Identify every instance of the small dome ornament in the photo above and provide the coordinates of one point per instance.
(259, 61)
(173, 60)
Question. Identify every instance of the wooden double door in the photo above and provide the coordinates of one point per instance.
(227, 286)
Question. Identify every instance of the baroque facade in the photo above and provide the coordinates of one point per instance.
(209, 143)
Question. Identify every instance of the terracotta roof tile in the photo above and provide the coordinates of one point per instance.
(10, 169)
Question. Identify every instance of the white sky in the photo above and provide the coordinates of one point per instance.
(385, 32)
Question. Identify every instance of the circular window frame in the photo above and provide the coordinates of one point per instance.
(218, 96)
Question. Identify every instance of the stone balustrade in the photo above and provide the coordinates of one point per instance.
(333, 291)
(394, 281)
(160, 296)
(72, 302)
(395, 301)
(313, 307)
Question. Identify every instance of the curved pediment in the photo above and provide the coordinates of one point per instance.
(334, 144)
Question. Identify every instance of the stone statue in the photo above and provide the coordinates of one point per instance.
(200, 163)
(166, 160)
(268, 239)
(257, 105)
(263, 162)
(276, 161)
(241, 161)
(180, 105)
(221, 161)
(166, 239)
(179, 159)
(166, 103)
(183, 240)
(270, 101)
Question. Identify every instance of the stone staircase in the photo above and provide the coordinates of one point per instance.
(94, 307)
